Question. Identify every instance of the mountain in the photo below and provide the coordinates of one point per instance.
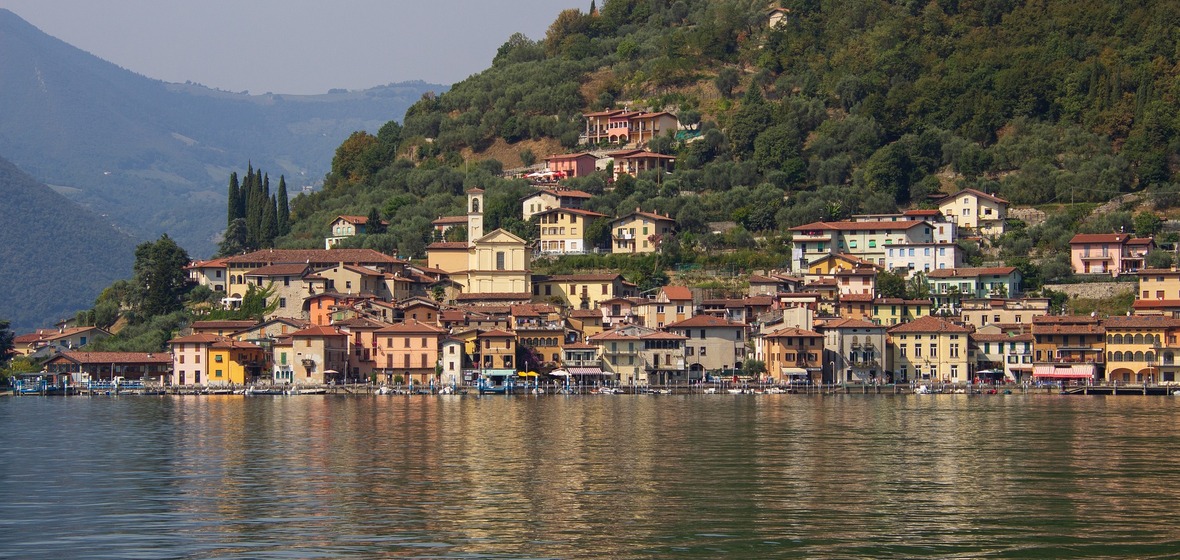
(153, 156)
(57, 255)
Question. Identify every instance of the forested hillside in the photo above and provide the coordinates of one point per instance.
(154, 156)
(57, 257)
(846, 106)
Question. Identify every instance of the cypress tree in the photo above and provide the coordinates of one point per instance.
(232, 199)
(270, 227)
(283, 209)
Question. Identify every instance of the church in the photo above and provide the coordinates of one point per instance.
(495, 263)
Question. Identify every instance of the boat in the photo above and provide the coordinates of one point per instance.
(711, 391)
(922, 390)
(306, 391)
(496, 385)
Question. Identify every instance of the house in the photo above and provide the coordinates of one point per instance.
(855, 306)
(105, 366)
(862, 281)
(640, 232)
(628, 128)
(1068, 348)
(923, 257)
(777, 18)
(495, 353)
(855, 350)
(581, 291)
(671, 304)
(362, 344)
(1159, 292)
(46, 341)
(1142, 349)
(541, 334)
(233, 362)
(794, 355)
(571, 165)
(1108, 253)
(452, 360)
(981, 312)
(711, 344)
(343, 227)
(620, 311)
(892, 311)
(948, 287)
(409, 349)
(223, 328)
(320, 355)
(867, 240)
(932, 349)
(976, 210)
(828, 265)
(1004, 354)
(288, 286)
(550, 199)
(587, 322)
(211, 274)
(238, 266)
(581, 361)
(442, 224)
(634, 162)
(563, 231)
(190, 359)
(639, 356)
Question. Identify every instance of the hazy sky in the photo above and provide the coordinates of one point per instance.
(293, 46)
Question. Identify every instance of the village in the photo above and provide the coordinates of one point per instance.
(475, 316)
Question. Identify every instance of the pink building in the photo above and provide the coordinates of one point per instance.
(1108, 253)
(571, 165)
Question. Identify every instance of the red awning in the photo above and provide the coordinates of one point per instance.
(1064, 371)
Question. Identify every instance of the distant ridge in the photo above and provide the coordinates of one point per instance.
(57, 257)
(156, 156)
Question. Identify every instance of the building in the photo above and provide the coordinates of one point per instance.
(870, 241)
(571, 165)
(672, 304)
(81, 366)
(343, 227)
(932, 349)
(981, 312)
(46, 341)
(893, 311)
(1068, 348)
(237, 267)
(409, 350)
(563, 231)
(794, 355)
(190, 359)
(627, 128)
(443, 224)
(636, 355)
(493, 263)
(974, 210)
(1159, 291)
(233, 362)
(712, 344)
(581, 291)
(950, 286)
(320, 355)
(1108, 253)
(634, 162)
(1142, 349)
(923, 257)
(640, 232)
(855, 350)
(210, 273)
(550, 199)
(1004, 354)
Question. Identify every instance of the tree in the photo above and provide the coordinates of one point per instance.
(1147, 223)
(1159, 259)
(754, 367)
(284, 206)
(891, 285)
(159, 275)
(918, 287)
(527, 157)
(6, 337)
(233, 242)
(373, 223)
(726, 80)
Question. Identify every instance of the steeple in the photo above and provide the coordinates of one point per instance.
(474, 215)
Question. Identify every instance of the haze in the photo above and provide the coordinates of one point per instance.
(292, 46)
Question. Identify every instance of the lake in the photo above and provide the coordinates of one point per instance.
(593, 476)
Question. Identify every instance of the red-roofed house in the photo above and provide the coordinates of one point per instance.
(976, 210)
(793, 355)
(711, 344)
(563, 231)
(409, 349)
(637, 355)
(1108, 253)
(950, 286)
(634, 162)
(640, 232)
(933, 348)
(320, 356)
(671, 304)
(630, 128)
(551, 198)
(856, 348)
(344, 227)
(871, 241)
(571, 165)
(94, 366)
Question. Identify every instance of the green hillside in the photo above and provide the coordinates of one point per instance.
(846, 107)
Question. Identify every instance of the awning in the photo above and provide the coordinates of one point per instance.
(527, 374)
(559, 373)
(789, 371)
(586, 371)
(1065, 371)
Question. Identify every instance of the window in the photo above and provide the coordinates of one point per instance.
(217, 373)
(499, 260)
(702, 350)
(933, 350)
(181, 358)
(217, 358)
(282, 303)
(901, 350)
(688, 351)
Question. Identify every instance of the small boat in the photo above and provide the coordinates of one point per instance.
(922, 390)
(306, 391)
(383, 390)
(711, 391)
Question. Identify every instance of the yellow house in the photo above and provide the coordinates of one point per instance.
(563, 230)
(977, 210)
(640, 232)
(235, 363)
(830, 264)
(1141, 349)
(1159, 290)
(892, 311)
(581, 291)
(933, 348)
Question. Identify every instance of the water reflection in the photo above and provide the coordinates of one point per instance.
(586, 477)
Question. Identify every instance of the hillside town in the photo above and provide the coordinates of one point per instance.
(475, 315)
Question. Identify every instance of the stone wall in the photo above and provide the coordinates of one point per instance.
(1094, 290)
(1030, 216)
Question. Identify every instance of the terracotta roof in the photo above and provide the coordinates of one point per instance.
(971, 272)
(1156, 304)
(980, 194)
(447, 245)
(317, 331)
(359, 323)
(857, 226)
(704, 321)
(864, 298)
(645, 155)
(195, 338)
(497, 333)
(921, 212)
(1065, 319)
(579, 346)
(564, 193)
(231, 344)
(900, 301)
(758, 279)
(411, 326)
(213, 263)
(660, 335)
(119, 357)
(930, 324)
(649, 215)
(576, 211)
(222, 324)
(850, 324)
(1141, 241)
(1140, 322)
(591, 277)
(292, 269)
(860, 271)
(444, 220)
(1002, 337)
(1068, 329)
(1100, 238)
(498, 296)
(791, 331)
(571, 156)
(363, 270)
(585, 313)
(313, 256)
(475, 190)
(677, 293)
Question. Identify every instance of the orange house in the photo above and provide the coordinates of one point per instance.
(409, 349)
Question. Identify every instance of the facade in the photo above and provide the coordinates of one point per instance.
(976, 210)
(672, 304)
(870, 241)
(640, 232)
(860, 281)
(232, 362)
(794, 355)
(343, 227)
(571, 165)
(1068, 348)
(923, 257)
(1142, 349)
(320, 355)
(639, 356)
(628, 128)
(980, 312)
(948, 287)
(1159, 291)
(290, 288)
(44, 341)
(563, 231)
(550, 199)
(932, 349)
(1004, 354)
(237, 267)
(855, 350)
(211, 274)
(150, 367)
(634, 162)
(1107, 253)
(409, 349)
(190, 359)
(452, 360)
(893, 311)
(711, 344)
(581, 291)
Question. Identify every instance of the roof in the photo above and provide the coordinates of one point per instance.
(411, 326)
(292, 269)
(317, 331)
(571, 156)
(971, 272)
(1141, 322)
(1100, 238)
(648, 215)
(921, 212)
(1002, 337)
(590, 277)
(444, 220)
(118, 357)
(677, 293)
(496, 333)
(575, 211)
(864, 298)
(447, 246)
(930, 324)
(313, 256)
(850, 324)
(704, 321)
(856, 226)
(645, 155)
(213, 263)
(585, 313)
(1073, 328)
(498, 296)
(195, 339)
(1155, 304)
(231, 344)
(223, 324)
(357, 220)
(977, 193)
(792, 332)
